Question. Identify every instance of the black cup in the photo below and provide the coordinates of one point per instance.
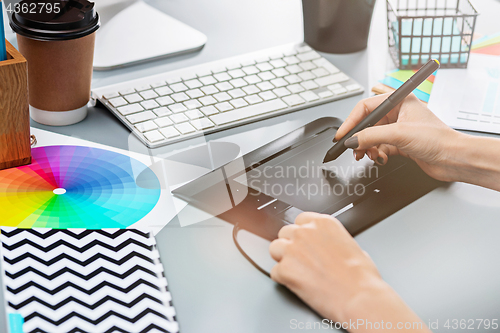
(337, 26)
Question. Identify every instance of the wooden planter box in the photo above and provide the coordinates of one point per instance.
(15, 148)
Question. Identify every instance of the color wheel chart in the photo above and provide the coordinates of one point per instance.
(77, 187)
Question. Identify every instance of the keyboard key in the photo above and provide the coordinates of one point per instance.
(262, 59)
(154, 136)
(238, 83)
(279, 82)
(353, 87)
(223, 86)
(311, 55)
(325, 94)
(169, 132)
(235, 93)
(267, 95)
(236, 73)
(195, 93)
(146, 126)
(291, 60)
(209, 110)
(266, 76)
(219, 69)
(202, 123)
(303, 48)
(164, 121)
(290, 52)
(192, 104)
(193, 83)
(129, 109)
(187, 77)
(158, 84)
(176, 108)
(253, 99)
(265, 86)
(248, 62)
(194, 114)
(143, 87)
(111, 95)
(223, 107)
(163, 111)
(208, 80)
(209, 90)
(178, 87)
(222, 97)
(249, 70)
(133, 98)
(207, 100)
(309, 96)
(293, 78)
(252, 79)
(307, 75)
(178, 118)
(173, 80)
(293, 100)
(148, 94)
(233, 66)
(276, 55)
(179, 97)
(202, 73)
(307, 65)
(150, 104)
(295, 88)
(294, 69)
(331, 79)
(248, 112)
(185, 128)
(319, 72)
(280, 72)
(280, 92)
(278, 63)
(332, 87)
(140, 117)
(165, 100)
(265, 66)
(309, 85)
(340, 91)
(322, 62)
(127, 91)
(251, 89)
(238, 103)
(162, 91)
(222, 77)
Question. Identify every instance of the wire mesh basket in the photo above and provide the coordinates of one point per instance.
(419, 30)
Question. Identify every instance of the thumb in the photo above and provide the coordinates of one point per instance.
(391, 134)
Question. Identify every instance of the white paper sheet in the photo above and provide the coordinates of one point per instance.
(469, 99)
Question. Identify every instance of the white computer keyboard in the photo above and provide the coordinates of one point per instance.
(211, 97)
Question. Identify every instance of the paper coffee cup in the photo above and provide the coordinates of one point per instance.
(59, 47)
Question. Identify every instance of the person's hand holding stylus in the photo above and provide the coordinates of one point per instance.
(412, 130)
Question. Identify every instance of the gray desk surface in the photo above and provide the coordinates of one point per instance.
(437, 252)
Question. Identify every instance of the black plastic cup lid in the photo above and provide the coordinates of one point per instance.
(55, 20)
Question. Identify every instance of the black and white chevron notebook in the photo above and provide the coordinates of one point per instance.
(78, 280)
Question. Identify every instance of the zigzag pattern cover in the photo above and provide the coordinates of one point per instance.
(76, 280)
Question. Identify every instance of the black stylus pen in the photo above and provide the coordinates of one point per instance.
(394, 99)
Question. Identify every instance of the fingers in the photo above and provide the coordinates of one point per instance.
(392, 134)
(307, 217)
(360, 111)
(278, 247)
(287, 231)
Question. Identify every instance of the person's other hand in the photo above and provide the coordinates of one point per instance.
(320, 262)
(410, 129)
